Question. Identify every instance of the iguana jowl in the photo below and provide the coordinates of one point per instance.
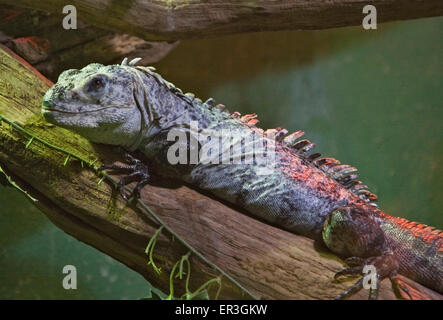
(134, 107)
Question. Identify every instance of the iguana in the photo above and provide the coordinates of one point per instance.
(135, 108)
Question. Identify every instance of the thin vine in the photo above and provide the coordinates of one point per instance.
(16, 186)
(150, 249)
(202, 291)
(105, 176)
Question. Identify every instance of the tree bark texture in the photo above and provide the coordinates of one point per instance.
(181, 19)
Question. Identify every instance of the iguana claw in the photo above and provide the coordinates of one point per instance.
(385, 266)
(349, 232)
(136, 171)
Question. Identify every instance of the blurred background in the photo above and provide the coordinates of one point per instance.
(371, 99)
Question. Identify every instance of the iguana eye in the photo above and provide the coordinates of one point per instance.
(96, 84)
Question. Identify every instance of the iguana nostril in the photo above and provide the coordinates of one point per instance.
(46, 104)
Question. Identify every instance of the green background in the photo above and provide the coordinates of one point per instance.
(371, 99)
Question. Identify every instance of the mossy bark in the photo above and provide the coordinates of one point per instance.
(269, 262)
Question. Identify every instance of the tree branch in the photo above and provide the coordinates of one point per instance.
(40, 39)
(268, 262)
(180, 19)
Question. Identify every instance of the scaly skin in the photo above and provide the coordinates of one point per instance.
(135, 108)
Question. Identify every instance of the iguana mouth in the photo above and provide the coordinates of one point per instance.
(46, 109)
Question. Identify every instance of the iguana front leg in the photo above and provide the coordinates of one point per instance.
(136, 171)
(353, 234)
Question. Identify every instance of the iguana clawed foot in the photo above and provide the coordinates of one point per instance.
(349, 232)
(375, 268)
(136, 171)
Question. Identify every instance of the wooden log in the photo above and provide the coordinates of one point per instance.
(39, 38)
(180, 19)
(268, 262)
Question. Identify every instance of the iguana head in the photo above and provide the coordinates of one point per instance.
(98, 102)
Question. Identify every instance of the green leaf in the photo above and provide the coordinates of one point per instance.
(155, 294)
(29, 143)
(66, 160)
(202, 295)
(101, 180)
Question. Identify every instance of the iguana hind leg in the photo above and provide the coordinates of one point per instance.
(136, 171)
(384, 265)
(353, 234)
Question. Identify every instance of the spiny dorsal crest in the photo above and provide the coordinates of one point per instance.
(344, 174)
(419, 230)
(189, 97)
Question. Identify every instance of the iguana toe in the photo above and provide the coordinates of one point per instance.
(373, 270)
(137, 171)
